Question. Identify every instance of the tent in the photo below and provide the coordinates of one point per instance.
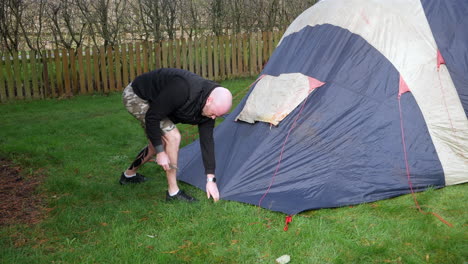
(384, 110)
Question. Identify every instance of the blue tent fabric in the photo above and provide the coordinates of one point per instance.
(451, 40)
(346, 147)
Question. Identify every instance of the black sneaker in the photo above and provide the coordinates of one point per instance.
(181, 196)
(138, 178)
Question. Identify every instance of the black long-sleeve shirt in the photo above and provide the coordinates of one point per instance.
(180, 96)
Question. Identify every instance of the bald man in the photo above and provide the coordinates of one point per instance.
(162, 98)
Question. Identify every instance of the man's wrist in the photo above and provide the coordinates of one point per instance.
(210, 178)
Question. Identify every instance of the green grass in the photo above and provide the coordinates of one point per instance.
(82, 144)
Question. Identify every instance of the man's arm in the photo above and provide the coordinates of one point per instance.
(208, 155)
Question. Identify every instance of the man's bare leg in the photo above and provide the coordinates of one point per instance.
(171, 141)
(144, 156)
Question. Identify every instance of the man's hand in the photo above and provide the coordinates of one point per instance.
(163, 160)
(212, 189)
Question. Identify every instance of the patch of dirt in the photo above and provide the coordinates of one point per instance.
(19, 203)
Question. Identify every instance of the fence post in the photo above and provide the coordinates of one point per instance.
(216, 58)
(25, 73)
(253, 55)
(49, 75)
(9, 77)
(184, 54)
(97, 70)
(102, 51)
(125, 65)
(145, 56)
(203, 49)
(157, 54)
(118, 68)
(89, 76)
(17, 71)
(239, 55)
(177, 53)
(245, 44)
(228, 54)
(34, 76)
(190, 55)
(222, 59)
(131, 61)
(138, 58)
(111, 68)
(234, 55)
(73, 75)
(81, 71)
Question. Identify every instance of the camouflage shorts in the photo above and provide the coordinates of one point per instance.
(138, 108)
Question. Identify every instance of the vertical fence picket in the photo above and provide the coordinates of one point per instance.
(102, 51)
(89, 76)
(245, 46)
(270, 43)
(73, 74)
(234, 55)
(240, 71)
(157, 55)
(150, 56)
(197, 52)
(17, 74)
(164, 54)
(227, 46)
(26, 74)
(190, 56)
(34, 77)
(111, 68)
(66, 72)
(131, 61)
(178, 63)
(145, 57)
(259, 52)
(253, 55)
(48, 74)
(222, 60)
(170, 53)
(118, 68)
(210, 57)
(125, 78)
(81, 70)
(184, 54)
(97, 70)
(203, 56)
(9, 77)
(139, 69)
(265, 48)
(215, 58)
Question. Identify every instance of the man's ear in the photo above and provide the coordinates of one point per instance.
(209, 100)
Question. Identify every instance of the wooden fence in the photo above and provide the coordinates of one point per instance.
(64, 73)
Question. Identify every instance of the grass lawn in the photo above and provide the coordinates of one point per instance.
(82, 145)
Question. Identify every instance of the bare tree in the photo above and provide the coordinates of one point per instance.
(190, 17)
(66, 24)
(169, 16)
(149, 16)
(217, 16)
(10, 25)
(104, 18)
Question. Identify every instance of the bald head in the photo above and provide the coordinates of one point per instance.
(219, 102)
